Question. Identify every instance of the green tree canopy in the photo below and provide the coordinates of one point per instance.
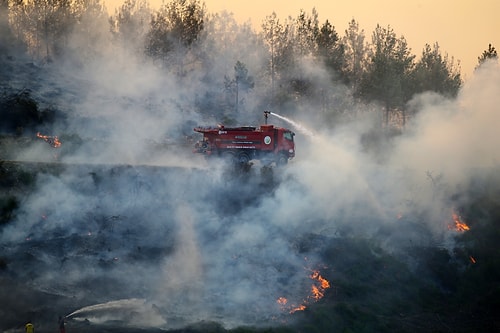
(435, 72)
(387, 78)
(6, 36)
(44, 25)
(242, 82)
(176, 26)
(356, 54)
(329, 48)
(488, 54)
(184, 19)
(130, 23)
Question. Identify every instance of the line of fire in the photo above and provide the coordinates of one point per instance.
(459, 225)
(51, 140)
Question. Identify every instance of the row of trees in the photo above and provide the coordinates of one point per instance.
(181, 37)
(384, 69)
(47, 27)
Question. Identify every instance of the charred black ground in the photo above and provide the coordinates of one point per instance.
(420, 289)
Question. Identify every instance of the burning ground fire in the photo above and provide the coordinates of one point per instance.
(318, 288)
(458, 223)
(51, 140)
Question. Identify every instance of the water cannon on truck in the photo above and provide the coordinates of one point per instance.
(266, 143)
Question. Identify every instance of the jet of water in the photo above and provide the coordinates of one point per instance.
(129, 312)
(118, 305)
(301, 128)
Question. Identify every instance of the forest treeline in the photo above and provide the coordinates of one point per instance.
(281, 60)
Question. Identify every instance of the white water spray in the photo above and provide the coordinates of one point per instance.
(133, 311)
(302, 129)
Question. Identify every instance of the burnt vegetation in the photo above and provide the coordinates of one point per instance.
(419, 289)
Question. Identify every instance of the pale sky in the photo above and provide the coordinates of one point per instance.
(462, 28)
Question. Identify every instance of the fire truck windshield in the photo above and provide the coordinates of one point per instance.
(288, 135)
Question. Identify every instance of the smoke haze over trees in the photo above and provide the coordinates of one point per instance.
(183, 38)
(122, 223)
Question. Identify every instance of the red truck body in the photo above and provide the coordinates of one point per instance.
(242, 144)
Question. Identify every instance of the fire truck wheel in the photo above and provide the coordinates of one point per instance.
(282, 160)
(243, 158)
(228, 156)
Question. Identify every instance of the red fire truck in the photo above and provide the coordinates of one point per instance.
(266, 143)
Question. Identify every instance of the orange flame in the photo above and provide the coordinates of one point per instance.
(301, 307)
(459, 224)
(52, 140)
(323, 282)
(282, 301)
(318, 291)
(472, 259)
(291, 309)
(320, 284)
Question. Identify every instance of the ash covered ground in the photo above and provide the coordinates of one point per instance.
(149, 247)
(162, 248)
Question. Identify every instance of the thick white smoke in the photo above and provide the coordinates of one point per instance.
(141, 223)
(342, 188)
(458, 136)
